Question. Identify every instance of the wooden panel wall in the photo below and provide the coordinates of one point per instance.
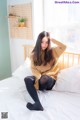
(18, 11)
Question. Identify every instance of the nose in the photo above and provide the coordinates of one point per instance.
(44, 45)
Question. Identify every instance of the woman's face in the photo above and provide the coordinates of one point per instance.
(44, 43)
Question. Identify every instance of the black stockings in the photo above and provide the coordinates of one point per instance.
(45, 83)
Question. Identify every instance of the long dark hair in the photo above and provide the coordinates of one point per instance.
(37, 59)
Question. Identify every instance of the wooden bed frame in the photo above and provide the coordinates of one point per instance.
(66, 60)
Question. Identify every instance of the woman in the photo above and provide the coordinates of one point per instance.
(44, 67)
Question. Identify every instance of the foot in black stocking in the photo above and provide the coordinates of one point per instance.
(36, 106)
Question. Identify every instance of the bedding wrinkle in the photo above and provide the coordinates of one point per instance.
(65, 105)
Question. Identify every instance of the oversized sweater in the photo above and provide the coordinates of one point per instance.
(48, 69)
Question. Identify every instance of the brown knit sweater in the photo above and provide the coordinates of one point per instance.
(48, 69)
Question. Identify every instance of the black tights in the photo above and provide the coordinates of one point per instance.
(45, 83)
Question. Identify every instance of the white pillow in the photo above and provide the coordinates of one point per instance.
(24, 70)
(68, 80)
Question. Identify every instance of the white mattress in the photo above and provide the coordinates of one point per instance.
(57, 105)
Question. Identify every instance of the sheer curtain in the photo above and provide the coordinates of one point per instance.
(62, 21)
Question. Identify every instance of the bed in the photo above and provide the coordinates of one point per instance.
(61, 103)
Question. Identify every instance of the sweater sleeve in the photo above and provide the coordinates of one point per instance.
(60, 47)
(34, 70)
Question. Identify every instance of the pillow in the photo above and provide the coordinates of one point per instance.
(24, 70)
(68, 80)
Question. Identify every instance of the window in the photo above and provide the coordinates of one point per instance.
(62, 20)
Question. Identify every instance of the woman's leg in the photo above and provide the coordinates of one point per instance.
(29, 82)
(46, 82)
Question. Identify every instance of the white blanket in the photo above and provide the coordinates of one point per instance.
(57, 105)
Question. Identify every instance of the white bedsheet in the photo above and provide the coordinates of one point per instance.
(57, 105)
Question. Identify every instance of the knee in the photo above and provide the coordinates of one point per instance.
(44, 79)
(27, 80)
(44, 76)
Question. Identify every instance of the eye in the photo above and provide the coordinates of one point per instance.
(42, 42)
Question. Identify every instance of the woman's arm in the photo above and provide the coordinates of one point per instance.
(60, 44)
(60, 47)
(35, 72)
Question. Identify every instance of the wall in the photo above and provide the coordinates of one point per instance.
(5, 66)
(17, 56)
(38, 17)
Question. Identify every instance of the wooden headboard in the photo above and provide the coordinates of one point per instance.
(66, 60)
